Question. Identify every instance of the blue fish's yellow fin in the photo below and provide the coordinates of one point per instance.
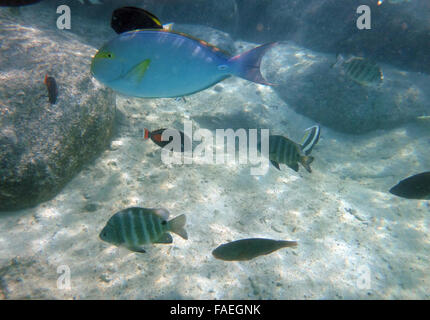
(139, 70)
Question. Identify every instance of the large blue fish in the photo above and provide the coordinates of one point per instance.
(162, 64)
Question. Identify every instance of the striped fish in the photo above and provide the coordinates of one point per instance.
(310, 139)
(135, 227)
(283, 150)
(360, 70)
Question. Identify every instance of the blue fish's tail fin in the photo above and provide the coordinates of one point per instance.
(247, 64)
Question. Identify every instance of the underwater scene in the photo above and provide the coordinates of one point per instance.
(225, 149)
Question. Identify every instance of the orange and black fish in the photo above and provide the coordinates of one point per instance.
(414, 187)
(17, 3)
(156, 138)
(51, 85)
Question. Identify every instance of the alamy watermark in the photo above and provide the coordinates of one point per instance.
(219, 150)
(64, 21)
(364, 20)
(63, 281)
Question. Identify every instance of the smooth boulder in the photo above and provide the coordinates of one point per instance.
(308, 83)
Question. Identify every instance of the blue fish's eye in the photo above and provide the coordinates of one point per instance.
(222, 67)
(163, 222)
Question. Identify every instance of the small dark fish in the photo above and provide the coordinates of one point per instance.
(51, 85)
(414, 187)
(157, 134)
(247, 249)
(360, 70)
(283, 150)
(135, 227)
(17, 3)
(131, 18)
(311, 138)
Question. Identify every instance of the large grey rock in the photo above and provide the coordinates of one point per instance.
(308, 84)
(42, 146)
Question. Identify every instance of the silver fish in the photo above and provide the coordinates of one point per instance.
(135, 227)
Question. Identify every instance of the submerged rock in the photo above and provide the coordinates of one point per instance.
(43, 145)
(308, 83)
(399, 32)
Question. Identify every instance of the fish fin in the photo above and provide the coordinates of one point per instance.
(147, 134)
(295, 167)
(165, 238)
(275, 164)
(46, 79)
(138, 71)
(177, 226)
(136, 249)
(181, 98)
(306, 161)
(153, 18)
(162, 213)
(247, 64)
(286, 243)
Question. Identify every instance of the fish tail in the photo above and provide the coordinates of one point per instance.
(306, 161)
(286, 243)
(147, 134)
(177, 226)
(247, 64)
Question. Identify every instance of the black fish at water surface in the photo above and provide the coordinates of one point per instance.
(132, 18)
(51, 85)
(414, 187)
(17, 3)
(156, 137)
(247, 249)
